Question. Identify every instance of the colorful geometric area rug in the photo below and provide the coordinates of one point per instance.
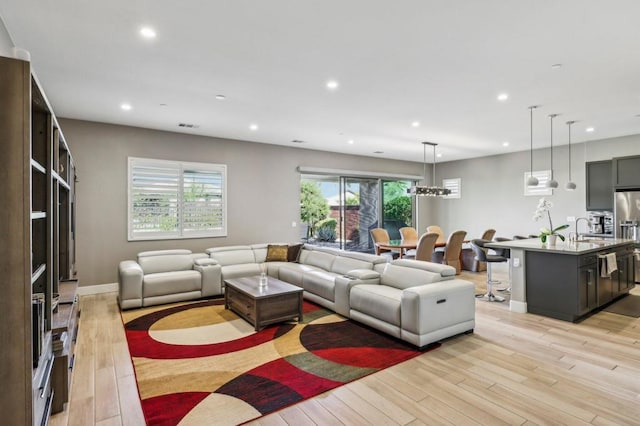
(198, 363)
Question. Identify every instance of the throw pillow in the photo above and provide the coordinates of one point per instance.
(276, 253)
(293, 252)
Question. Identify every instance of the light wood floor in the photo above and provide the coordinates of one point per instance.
(518, 369)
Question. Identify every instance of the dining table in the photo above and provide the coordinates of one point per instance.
(401, 246)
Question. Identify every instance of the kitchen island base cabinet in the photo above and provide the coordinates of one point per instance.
(569, 287)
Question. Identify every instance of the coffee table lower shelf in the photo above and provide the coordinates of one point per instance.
(277, 302)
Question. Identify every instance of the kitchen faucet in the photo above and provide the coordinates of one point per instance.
(578, 220)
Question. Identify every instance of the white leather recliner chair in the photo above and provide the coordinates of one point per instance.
(166, 276)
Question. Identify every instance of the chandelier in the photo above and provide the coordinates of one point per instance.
(429, 191)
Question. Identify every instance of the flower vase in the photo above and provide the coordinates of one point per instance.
(264, 281)
(551, 240)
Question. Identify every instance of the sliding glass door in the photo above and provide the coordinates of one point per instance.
(397, 207)
(340, 211)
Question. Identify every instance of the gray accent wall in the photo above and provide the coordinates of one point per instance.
(263, 189)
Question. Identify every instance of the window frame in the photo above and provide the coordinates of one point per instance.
(540, 189)
(455, 185)
(181, 168)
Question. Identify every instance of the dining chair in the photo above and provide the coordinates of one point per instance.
(437, 230)
(488, 234)
(426, 244)
(380, 235)
(409, 233)
(451, 254)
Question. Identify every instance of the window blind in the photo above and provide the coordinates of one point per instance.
(170, 199)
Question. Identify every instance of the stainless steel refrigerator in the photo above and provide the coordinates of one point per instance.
(627, 221)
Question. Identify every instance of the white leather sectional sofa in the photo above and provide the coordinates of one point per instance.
(419, 302)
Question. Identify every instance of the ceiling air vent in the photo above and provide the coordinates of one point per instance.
(188, 125)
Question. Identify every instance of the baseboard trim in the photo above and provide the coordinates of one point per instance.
(519, 307)
(97, 289)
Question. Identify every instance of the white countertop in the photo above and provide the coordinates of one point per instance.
(566, 247)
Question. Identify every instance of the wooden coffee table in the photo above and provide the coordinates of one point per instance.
(277, 302)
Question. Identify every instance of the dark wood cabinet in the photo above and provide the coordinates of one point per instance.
(599, 185)
(568, 287)
(31, 243)
(587, 284)
(625, 279)
(553, 285)
(626, 172)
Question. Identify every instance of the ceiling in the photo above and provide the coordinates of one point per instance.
(440, 63)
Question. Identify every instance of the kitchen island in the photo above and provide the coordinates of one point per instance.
(568, 280)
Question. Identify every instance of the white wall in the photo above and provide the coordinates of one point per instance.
(493, 191)
(6, 44)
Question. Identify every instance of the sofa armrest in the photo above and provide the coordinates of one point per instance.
(362, 274)
(342, 290)
(445, 271)
(434, 306)
(130, 277)
(205, 261)
(211, 275)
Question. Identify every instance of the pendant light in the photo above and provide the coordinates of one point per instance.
(570, 186)
(429, 191)
(552, 183)
(532, 180)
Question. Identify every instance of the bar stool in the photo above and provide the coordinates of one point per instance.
(504, 252)
(480, 249)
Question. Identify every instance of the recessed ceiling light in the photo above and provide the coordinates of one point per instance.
(505, 143)
(438, 155)
(163, 105)
(556, 66)
(378, 152)
(221, 97)
(148, 32)
(332, 85)
(126, 107)
(253, 127)
(503, 97)
(350, 141)
(589, 129)
(415, 124)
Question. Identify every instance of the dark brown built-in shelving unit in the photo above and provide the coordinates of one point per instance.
(37, 189)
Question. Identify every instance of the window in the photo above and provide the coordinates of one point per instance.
(543, 176)
(454, 185)
(172, 199)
